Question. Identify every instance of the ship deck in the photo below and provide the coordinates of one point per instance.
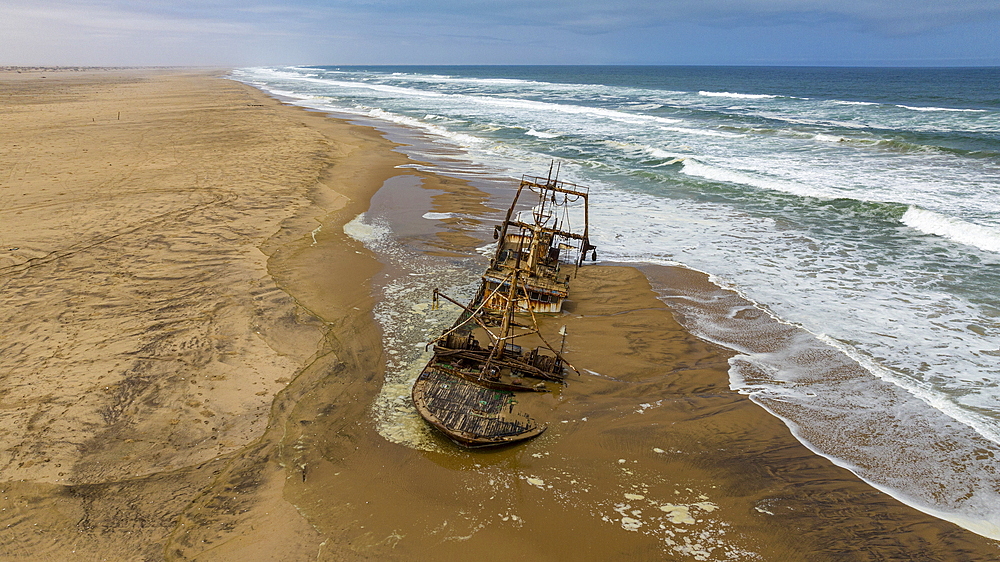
(470, 413)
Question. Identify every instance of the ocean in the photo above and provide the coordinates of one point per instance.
(856, 209)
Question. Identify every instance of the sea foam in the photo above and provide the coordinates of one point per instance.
(717, 173)
(956, 110)
(736, 95)
(982, 237)
(541, 134)
(437, 216)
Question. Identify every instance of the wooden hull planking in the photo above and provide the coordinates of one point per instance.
(470, 414)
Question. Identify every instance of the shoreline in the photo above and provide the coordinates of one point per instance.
(314, 483)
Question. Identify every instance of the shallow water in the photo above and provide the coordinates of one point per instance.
(860, 207)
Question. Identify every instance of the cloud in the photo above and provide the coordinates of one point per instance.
(581, 16)
(591, 16)
(250, 32)
(599, 16)
(890, 17)
(108, 18)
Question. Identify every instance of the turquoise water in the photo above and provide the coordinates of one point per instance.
(860, 206)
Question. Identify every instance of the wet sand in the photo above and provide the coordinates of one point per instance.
(189, 362)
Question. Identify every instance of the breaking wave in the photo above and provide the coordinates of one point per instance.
(736, 95)
(983, 237)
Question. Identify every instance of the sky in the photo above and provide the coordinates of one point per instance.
(237, 33)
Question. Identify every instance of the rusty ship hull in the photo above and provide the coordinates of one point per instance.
(472, 393)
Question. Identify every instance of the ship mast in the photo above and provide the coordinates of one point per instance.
(508, 316)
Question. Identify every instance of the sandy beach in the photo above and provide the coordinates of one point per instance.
(189, 361)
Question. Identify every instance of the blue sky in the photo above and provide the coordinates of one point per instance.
(747, 32)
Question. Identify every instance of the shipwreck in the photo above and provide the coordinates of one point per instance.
(494, 351)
